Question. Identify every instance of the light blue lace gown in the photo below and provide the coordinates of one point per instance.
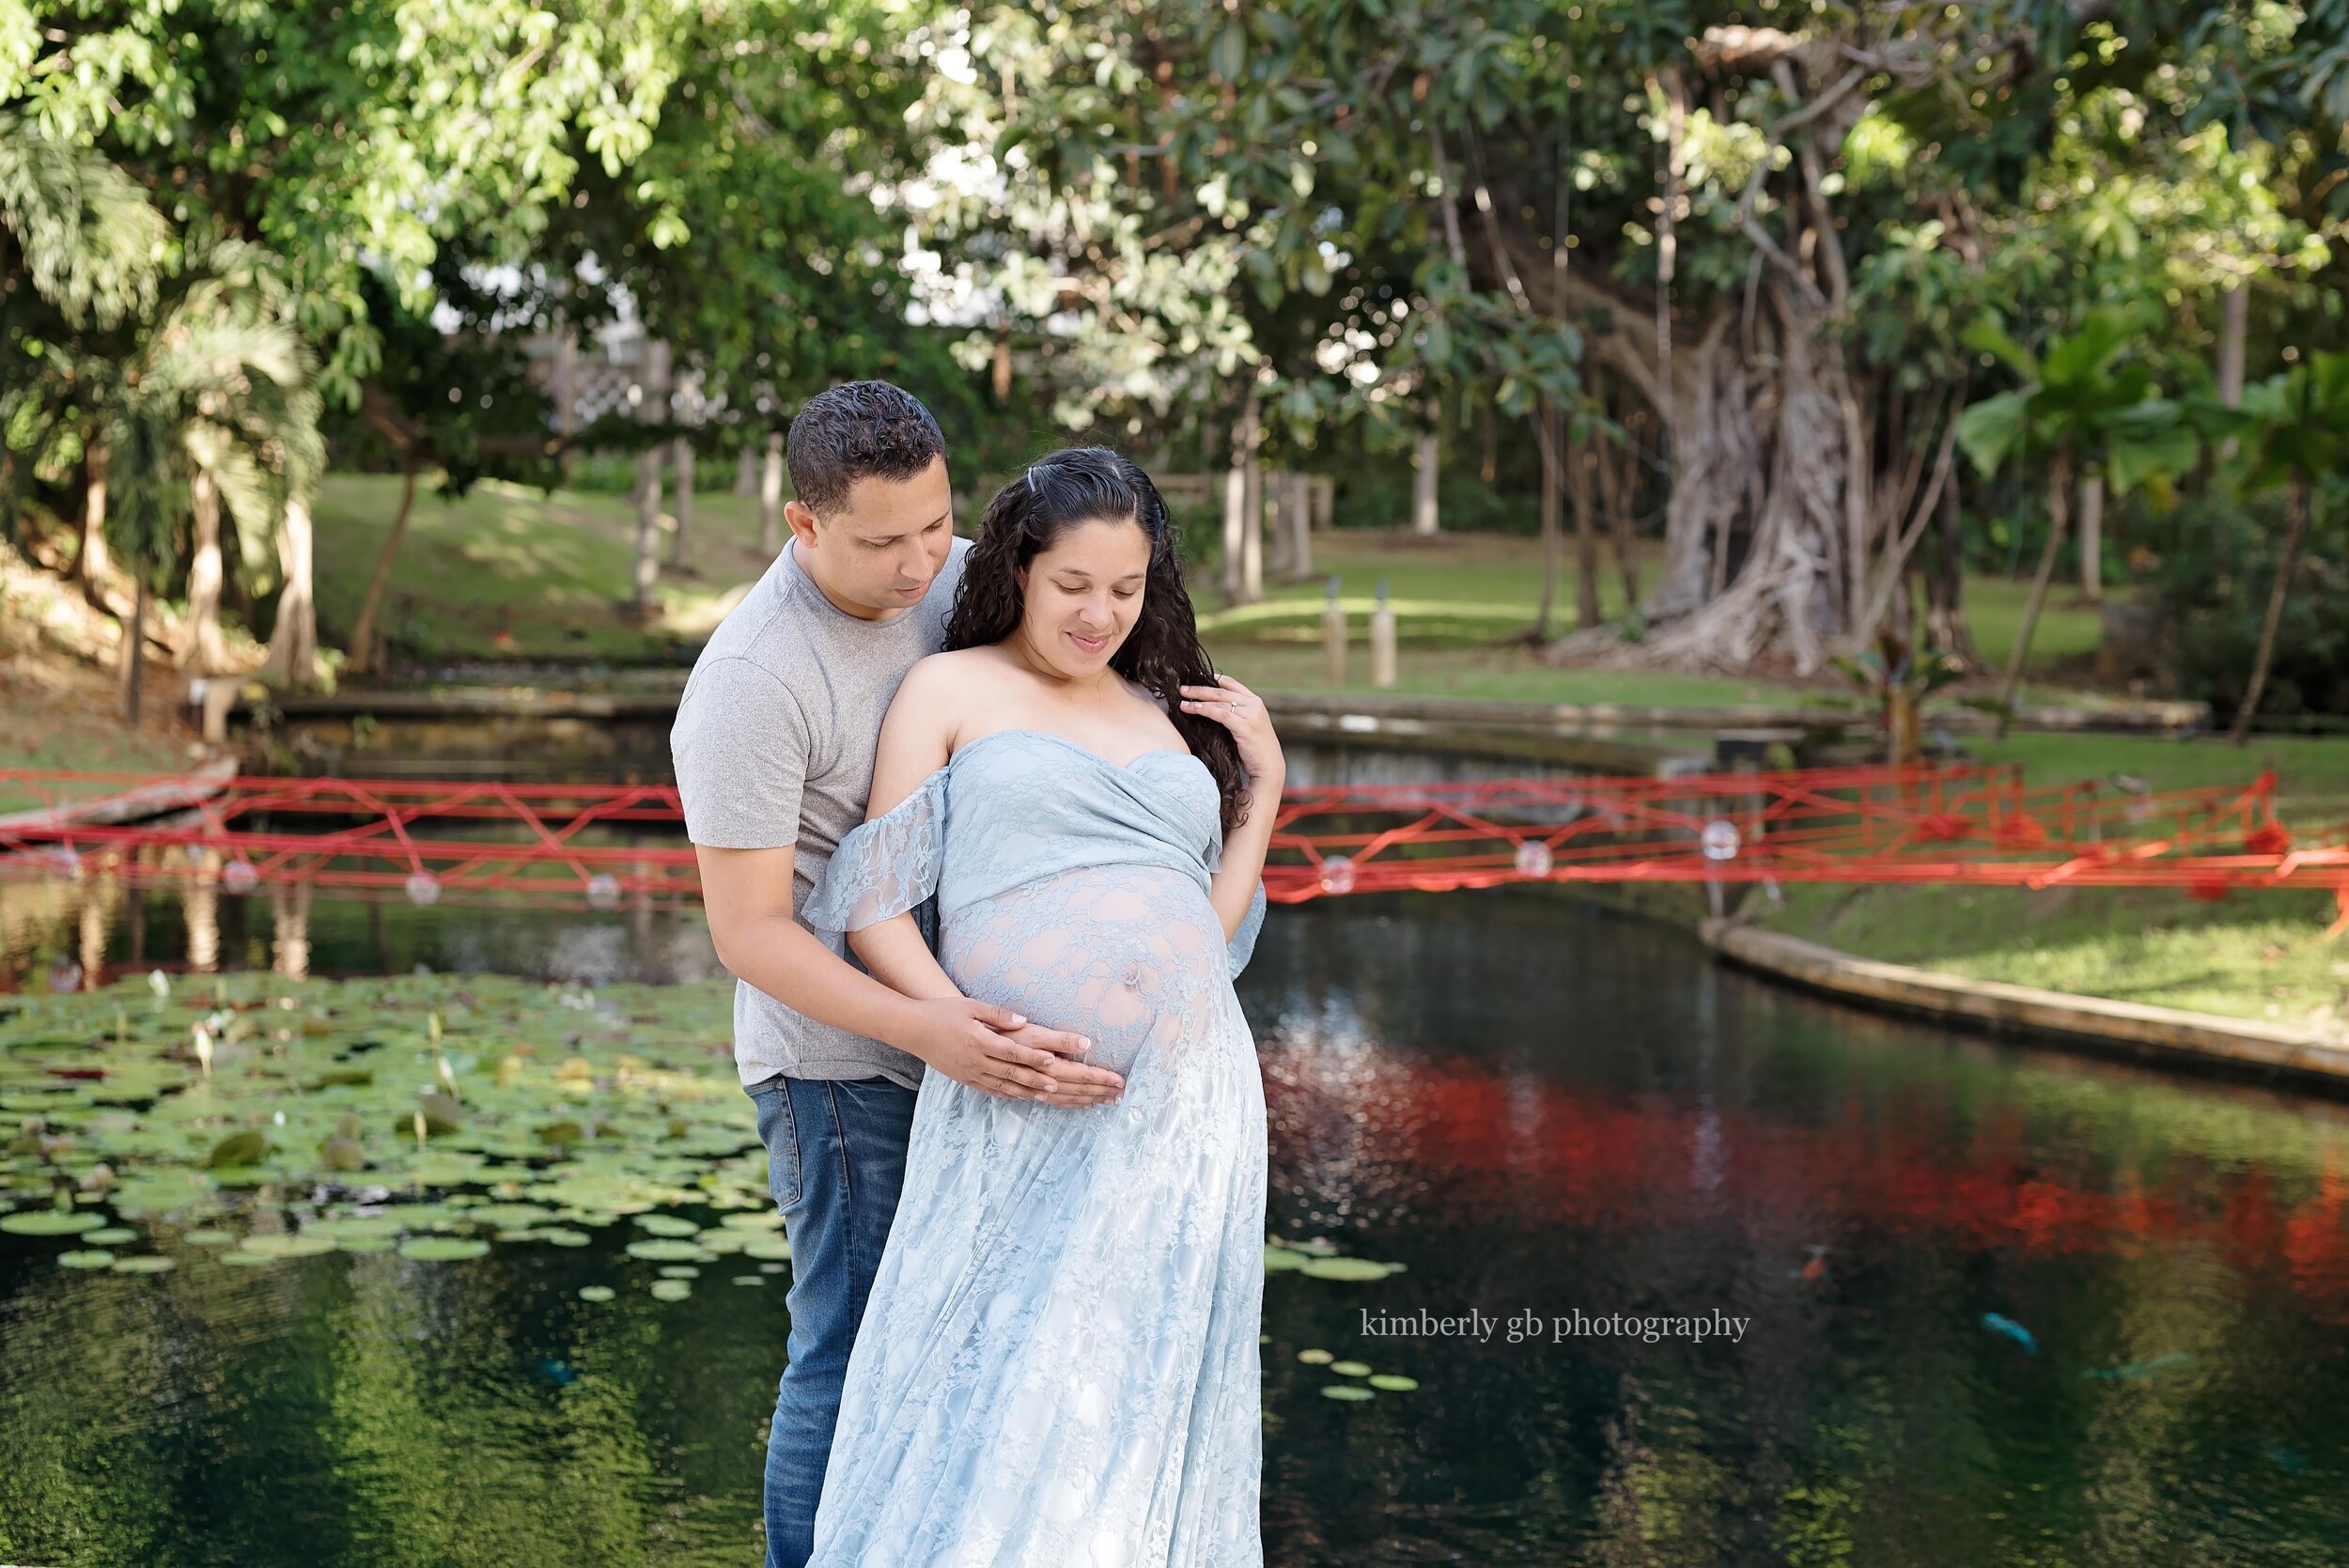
(1058, 1364)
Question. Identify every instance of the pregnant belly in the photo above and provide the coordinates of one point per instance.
(1131, 957)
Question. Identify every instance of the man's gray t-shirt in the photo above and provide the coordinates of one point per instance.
(773, 746)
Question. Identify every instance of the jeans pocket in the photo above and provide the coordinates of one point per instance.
(778, 1128)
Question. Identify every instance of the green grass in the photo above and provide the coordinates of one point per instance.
(2251, 954)
(1459, 600)
(507, 572)
(2311, 771)
(2259, 956)
(1486, 674)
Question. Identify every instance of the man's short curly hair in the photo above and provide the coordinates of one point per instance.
(859, 430)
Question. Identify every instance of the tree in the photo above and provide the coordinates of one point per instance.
(223, 392)
(2297, 437)
(2086, 411)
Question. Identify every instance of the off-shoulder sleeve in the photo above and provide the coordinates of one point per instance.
(1243, 943)
(885, 866)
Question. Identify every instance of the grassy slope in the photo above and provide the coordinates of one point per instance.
(508, 571)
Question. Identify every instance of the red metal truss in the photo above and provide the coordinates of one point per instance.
(599, 845)
(416, 838)
(1875, 824)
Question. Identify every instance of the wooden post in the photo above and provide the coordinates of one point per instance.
(746, 472)
(1333, 638)
(1382, 662)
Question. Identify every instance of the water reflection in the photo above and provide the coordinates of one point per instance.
(62, 934)
(1535, 1110)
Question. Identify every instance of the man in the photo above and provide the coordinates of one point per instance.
(773, 746)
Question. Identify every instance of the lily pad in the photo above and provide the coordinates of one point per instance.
(557, 1237)
(1350, 1369)
(236, 1149)
(1351, 1269)
(111, 1235)
(670, 1290)
(664, 1250)
(145, 1262)
(1353, 1392)
(1393, 1382)
(667, 1225)
(51, 1221)
(95, 1257)
(1316, 1358)
(300, 1245)
(442, 1249)
(755, 1219)
(597, 1293)
(348, 1227)
(681, 1271)
(773, 1249)
(750, 1279)
(1281, 1260)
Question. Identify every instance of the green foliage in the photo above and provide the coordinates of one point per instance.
(2213, 583)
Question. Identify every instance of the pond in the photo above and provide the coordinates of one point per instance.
(1962, 1303)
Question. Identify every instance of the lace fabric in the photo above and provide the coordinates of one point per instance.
(1058, 1364)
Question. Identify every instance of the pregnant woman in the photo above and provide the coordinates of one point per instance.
(1058, 1363)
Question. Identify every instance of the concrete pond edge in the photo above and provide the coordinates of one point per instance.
(1997, 1007)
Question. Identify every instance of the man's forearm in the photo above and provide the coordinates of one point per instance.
(785, 960)
(895, 954)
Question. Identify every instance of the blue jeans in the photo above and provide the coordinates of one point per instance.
(835, 1161)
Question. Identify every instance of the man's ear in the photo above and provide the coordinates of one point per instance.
(802, 523)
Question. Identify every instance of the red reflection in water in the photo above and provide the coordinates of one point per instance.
(1391, 1132)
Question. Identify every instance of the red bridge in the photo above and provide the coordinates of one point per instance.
(598, 845)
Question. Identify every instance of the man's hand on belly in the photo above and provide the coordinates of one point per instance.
(998, 1050)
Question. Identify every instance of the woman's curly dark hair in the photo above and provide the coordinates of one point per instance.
(1162, 652)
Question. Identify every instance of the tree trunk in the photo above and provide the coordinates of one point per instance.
(1298, 510)
(1614, 464)
(203, 651)
(653, 401)
(681, 458)
(1252, 517)
(1276, 503)
(1239, 497)
(2295, 533)
(363, 638)
(1944, 587)
(134, 648)
(770, 498)
(746, 473)
(293, 648)
(2059, 522)
(1551, 486)
(91, 566)
(2093, 538)
(1580, 463)
(2234, 328)
(1424, 519)
(643, 598)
